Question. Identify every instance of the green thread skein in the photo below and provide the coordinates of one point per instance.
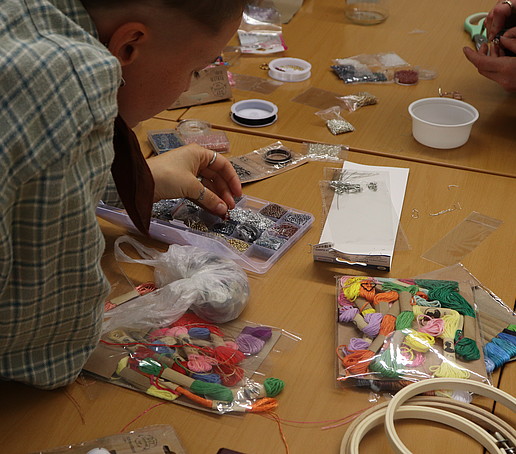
(214, 391)
(273, 386)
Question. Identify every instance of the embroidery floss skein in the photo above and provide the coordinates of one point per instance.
(448, 367)
(406, 317)
(358, 362)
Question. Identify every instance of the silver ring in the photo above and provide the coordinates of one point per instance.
(508, 2)
(212, 160)
(202, 192)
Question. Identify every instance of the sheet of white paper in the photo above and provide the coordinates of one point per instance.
(337, 225)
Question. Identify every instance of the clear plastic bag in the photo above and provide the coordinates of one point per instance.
(260, 31)
(356, 101)
(325, 152)
(266, 162)
(192, 362)
(391, 332)
(187, 277)
(334, 121)
(369, 68)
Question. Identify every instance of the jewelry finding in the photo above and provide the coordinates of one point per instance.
(450, 94)
(341, 187)
(277, 156)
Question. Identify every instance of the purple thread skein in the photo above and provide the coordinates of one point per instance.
(249, 344)
(374, 321)
(347, 314)
(357, 343)
(261, 332)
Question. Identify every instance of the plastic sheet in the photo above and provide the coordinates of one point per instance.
(463, 239)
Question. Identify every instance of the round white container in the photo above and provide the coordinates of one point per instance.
(290, 69)
(254, 113)
(442, 122)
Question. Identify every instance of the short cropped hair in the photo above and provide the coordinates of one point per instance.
(213, 14)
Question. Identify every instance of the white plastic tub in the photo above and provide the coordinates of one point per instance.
(442, 122)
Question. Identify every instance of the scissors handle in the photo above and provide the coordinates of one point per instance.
(474, 24)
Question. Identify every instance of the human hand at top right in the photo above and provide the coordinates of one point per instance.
(494, 64)
(502, 16)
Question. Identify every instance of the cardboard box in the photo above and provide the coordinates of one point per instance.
(211, 85)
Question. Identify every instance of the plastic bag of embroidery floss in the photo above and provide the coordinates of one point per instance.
(391, 332)
(334, 121)
(193, 362)
(497, 320)
(325, 152)
(186, 277)
(266, 162)
(156, 439)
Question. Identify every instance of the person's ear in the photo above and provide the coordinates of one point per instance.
(126, 41)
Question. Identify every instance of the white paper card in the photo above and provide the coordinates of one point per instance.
(365, 231)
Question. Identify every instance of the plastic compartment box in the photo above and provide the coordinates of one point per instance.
(285, 226)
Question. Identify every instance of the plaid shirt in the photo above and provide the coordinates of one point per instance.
(58, 87)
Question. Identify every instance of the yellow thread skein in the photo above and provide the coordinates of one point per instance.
(420, 342)
(351, 288)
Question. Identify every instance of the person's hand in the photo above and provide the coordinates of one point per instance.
(496, 66)
(198, 174)
(503, 15)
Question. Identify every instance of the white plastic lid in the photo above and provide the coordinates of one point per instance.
(289, 69)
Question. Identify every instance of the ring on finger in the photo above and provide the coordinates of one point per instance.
(508, 2)
(202, 193)
(212, 160)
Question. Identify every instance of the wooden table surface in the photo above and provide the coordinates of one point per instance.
(427, 35)
(297, 295)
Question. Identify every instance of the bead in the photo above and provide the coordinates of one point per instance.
(225, 228)
(270, 242)
(247, 232)
(339, 126)
(323, 151)
(286, 230)
(297, 218)
(164, 209)
(273, 210)
(239, 245)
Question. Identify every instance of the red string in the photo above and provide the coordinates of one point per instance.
(140, 415)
